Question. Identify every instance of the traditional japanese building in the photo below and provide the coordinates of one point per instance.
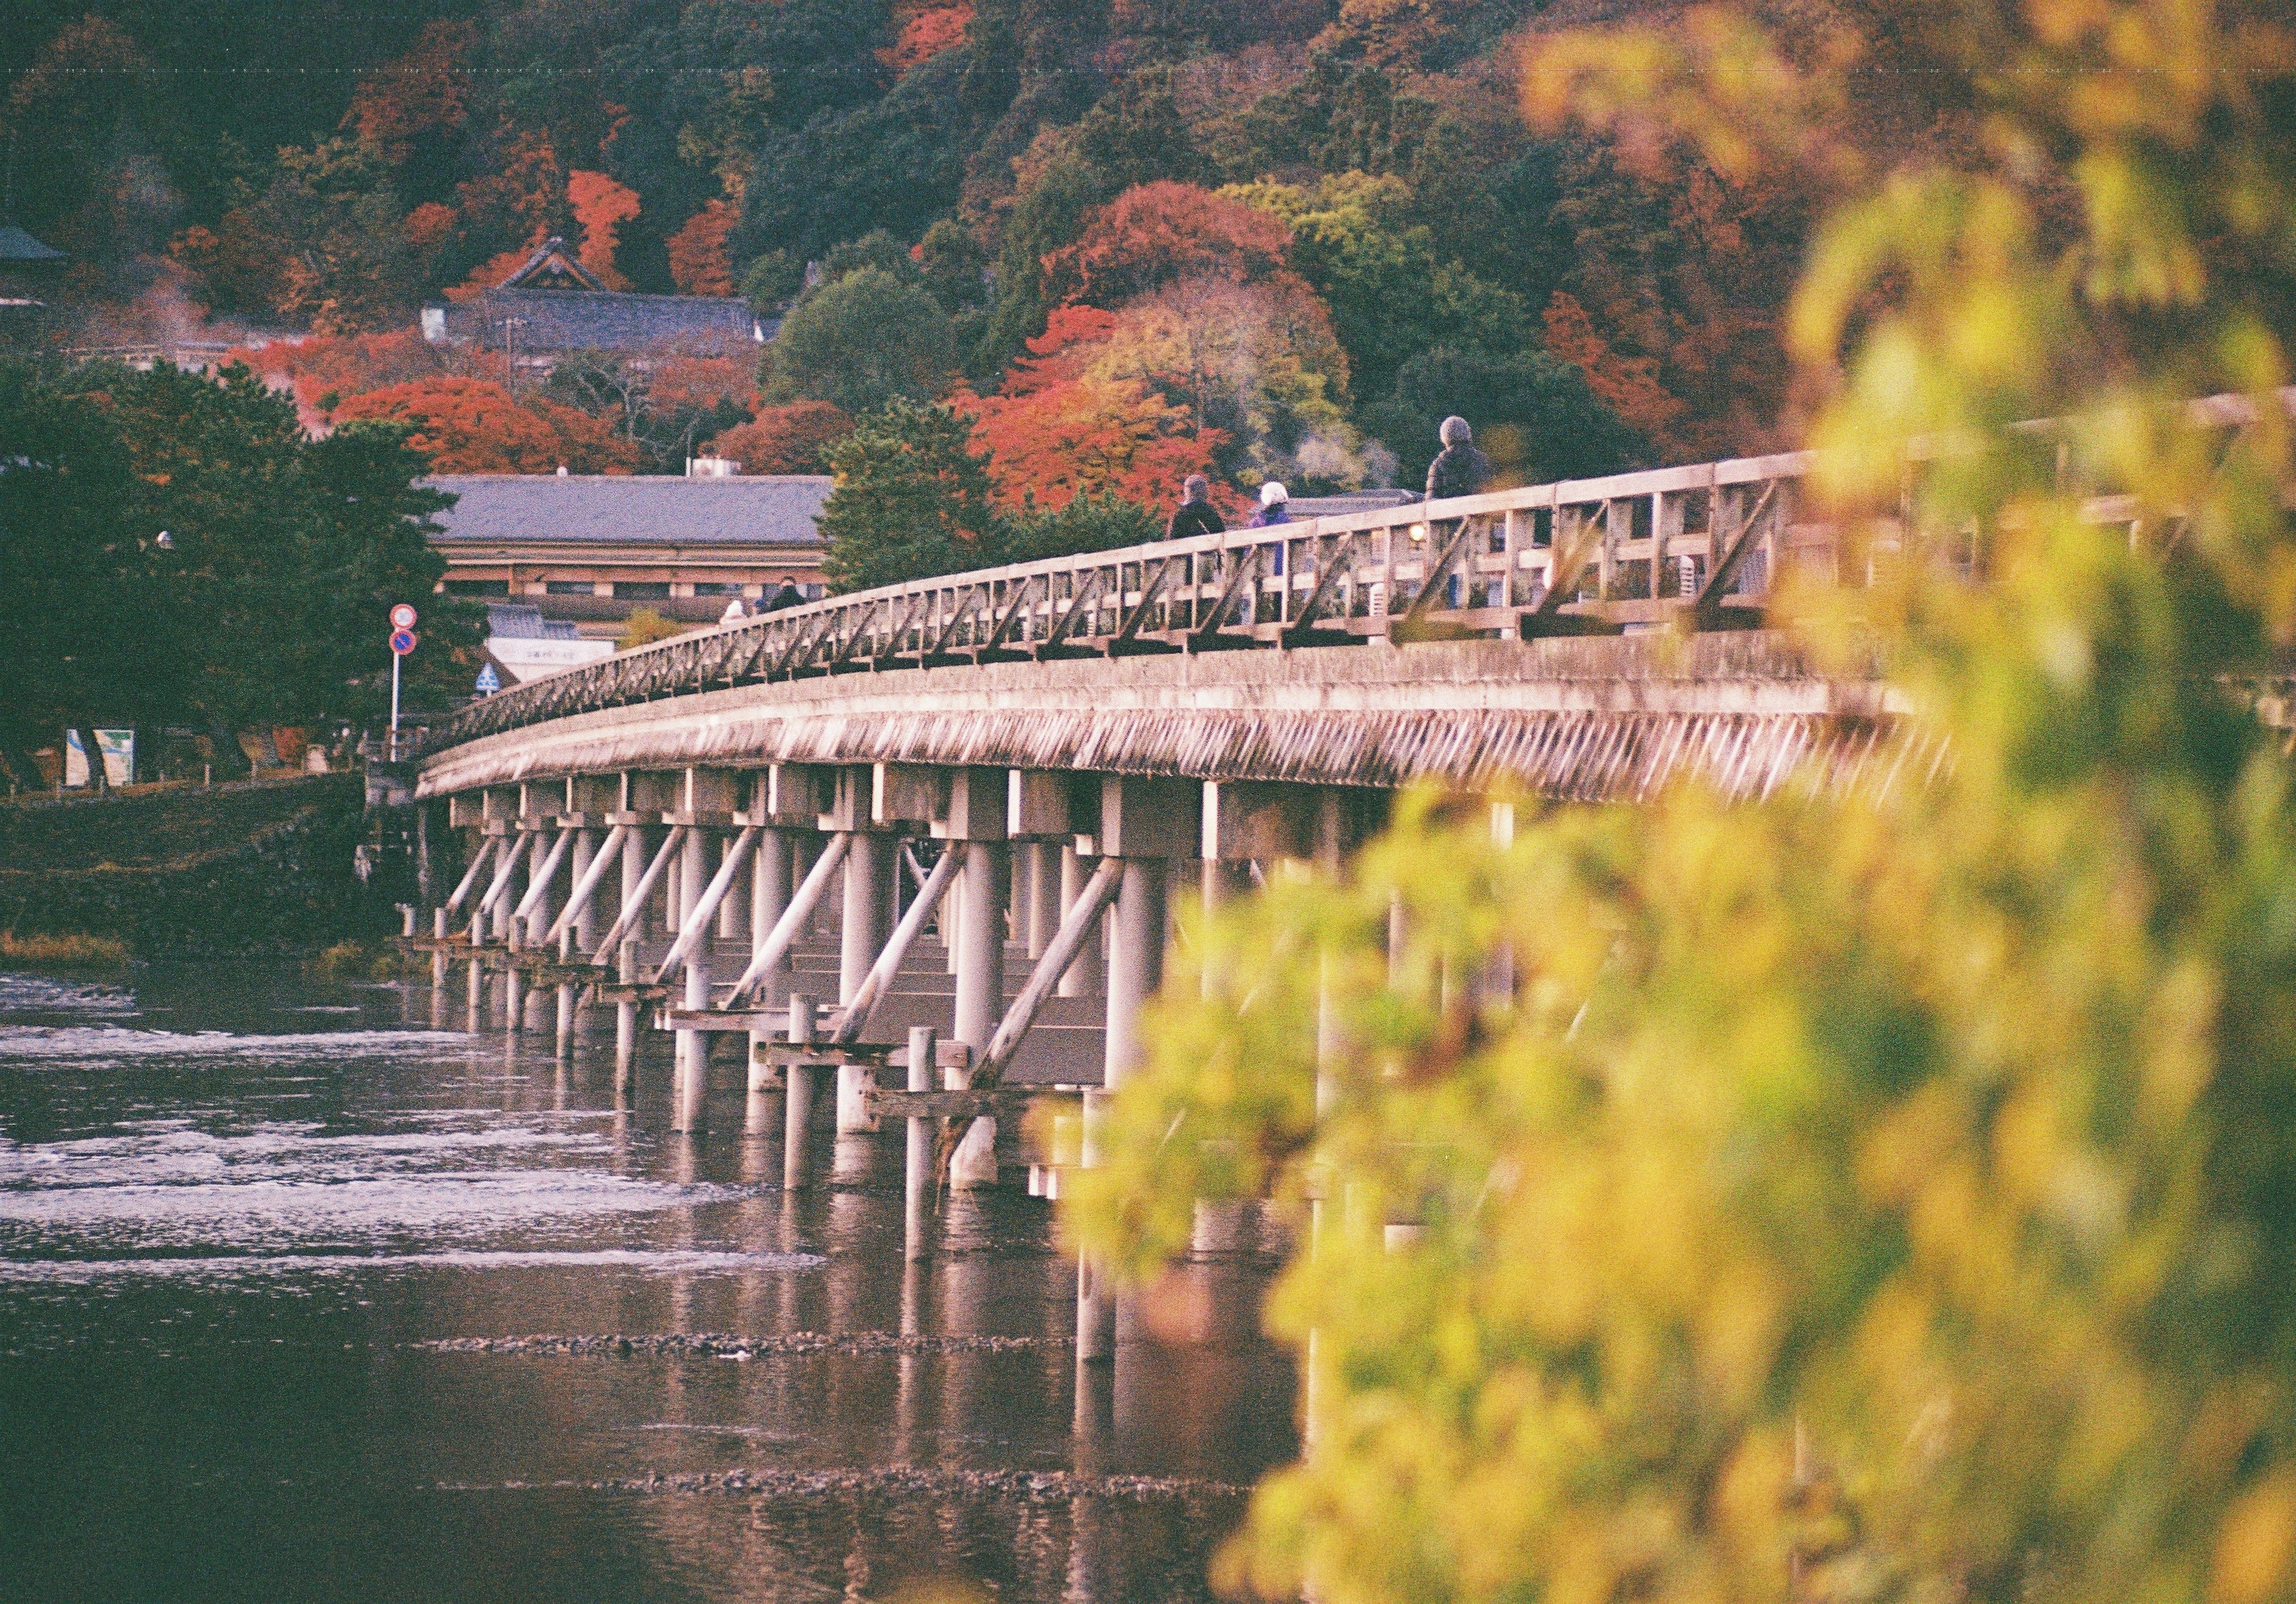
(554, 305)
(589, 549)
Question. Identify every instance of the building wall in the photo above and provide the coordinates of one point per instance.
(596, 591)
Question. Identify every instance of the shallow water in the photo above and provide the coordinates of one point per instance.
(262, 1241)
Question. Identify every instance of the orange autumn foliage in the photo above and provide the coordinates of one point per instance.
(428, 226)
(425, 91)
(1155, 234)
(601, 206)
(346, 364)
(476, 426)
(700, 380)
(927, 35)
(1054, 432)
(698, 263)
(1631, 384)
(784, 439)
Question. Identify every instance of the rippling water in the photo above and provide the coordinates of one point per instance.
(262, 1242)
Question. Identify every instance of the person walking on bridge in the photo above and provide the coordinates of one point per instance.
(1197, 515)
(788, 595)
(1459, 469)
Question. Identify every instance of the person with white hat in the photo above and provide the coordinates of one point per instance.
(1275, 506)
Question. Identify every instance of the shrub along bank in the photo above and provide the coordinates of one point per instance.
(260, 867)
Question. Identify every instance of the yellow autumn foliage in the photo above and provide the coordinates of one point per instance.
(1879, 1194)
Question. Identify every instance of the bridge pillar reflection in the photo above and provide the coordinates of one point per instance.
(1145, 823)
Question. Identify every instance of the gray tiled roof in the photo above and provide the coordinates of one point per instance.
(18, 246)
(573, 320)
(512, 621)
(778, 511)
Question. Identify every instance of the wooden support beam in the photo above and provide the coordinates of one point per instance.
(793, 918)
(634, 905)
(879, 981)
(996, 1102)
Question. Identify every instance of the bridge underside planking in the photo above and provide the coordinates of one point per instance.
(1589, 719)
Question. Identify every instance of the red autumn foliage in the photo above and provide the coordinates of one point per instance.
(926, 35)
(698, 264)
(524, 201)
(784, 439)
(476, 426)
(700, 380)
(1631, 384)
(1053, 433)
(428, 226)
(347, 364)
(1155, 234)
(1056, 356)
(601, 206)
(424, 92)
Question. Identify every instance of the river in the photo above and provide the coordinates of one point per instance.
(272, 1251)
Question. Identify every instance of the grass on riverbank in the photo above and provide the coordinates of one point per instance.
(61, 951)
(364, 960)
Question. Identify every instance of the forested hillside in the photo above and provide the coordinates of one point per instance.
(1131, 239)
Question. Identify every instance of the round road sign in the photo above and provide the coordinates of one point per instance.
(402, 617)
(402, 641)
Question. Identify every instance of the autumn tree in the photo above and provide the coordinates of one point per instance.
(1155, 234)
(476, 426)
(1053, 432)
(794, 438)
(698, 264)
(1877, 1190)
(601, 206)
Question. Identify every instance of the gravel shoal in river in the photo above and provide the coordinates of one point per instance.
(929, 1481)
(719, 1345)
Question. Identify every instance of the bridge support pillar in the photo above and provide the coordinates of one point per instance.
(1146, 825)
(1082, 978)
(917, 1177)
(976, 818)
(797, 1101)
(638, 848)
(693, 1046)
(1044, 894)
(769, 896)
(871, 861)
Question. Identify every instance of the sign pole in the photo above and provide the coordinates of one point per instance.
(402, 642)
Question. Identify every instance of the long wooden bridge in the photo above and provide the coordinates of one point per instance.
(928, 838)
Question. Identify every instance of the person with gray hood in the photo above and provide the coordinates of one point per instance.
(1458, 469)
(1197, 514)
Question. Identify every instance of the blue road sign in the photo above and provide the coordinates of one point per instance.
(402, 641)
(489, 682)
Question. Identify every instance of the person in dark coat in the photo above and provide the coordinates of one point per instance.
(1458, 469)
(788, 595)
(1197, 515)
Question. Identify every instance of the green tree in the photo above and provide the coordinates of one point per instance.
(268, 601)
(1881, 1191)
(861, 341)
(910, 499)
(81, 576)
(1534, 416)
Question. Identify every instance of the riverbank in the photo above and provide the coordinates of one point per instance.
(261, 867)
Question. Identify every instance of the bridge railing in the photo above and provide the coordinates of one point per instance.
(1572, 557)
